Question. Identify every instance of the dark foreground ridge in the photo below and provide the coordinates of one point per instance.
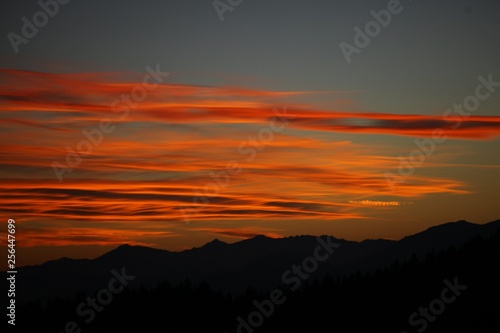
(454, 289)
(232, 268)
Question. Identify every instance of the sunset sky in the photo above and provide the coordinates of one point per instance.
(157, 123)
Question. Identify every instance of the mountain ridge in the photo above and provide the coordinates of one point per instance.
(232, 267)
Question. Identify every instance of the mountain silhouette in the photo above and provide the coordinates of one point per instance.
(258, 262)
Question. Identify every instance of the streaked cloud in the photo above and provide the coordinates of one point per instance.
(242, 233)
(378, 203)
(158, 163)
(69, 99)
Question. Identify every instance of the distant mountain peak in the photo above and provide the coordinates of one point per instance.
(125, 248)
(260, 237)
(217, 241)
(214, 243)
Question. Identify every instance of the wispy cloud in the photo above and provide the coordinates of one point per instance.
(378, 203)
(243, 232)
(162, 154)
(69, 99)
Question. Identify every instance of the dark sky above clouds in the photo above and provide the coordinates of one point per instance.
(261, 126)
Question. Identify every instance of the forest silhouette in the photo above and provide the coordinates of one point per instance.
(379, 301)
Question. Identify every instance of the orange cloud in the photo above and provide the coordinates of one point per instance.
(83, 97)
(378, 203)
(168, 157)
(30, 237)
(242, 233)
